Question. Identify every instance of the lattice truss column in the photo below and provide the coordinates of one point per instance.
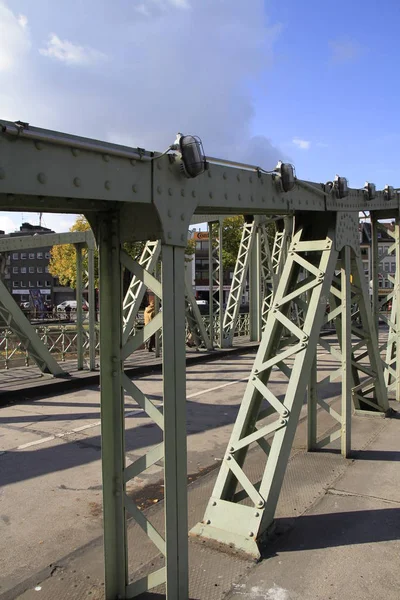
(269, 277)
(355, 351)
(240, 511)
(194, 320)
(386, 305)
(216, 279)
(117, 344)
(238, 282)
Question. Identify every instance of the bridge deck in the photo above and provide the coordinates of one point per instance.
(345, 539)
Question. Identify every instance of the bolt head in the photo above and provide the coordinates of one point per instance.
(251, 534)
(208, 522)
(260, 504)
(214, 503)
(41, 178)
(256, 514)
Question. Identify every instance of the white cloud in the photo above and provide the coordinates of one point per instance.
(23, 21)
(322, 145)
(7, 224)
(195, 76)
(14, 38)
(146, 8)
(69, 53)
(344, 51)
(302, 144)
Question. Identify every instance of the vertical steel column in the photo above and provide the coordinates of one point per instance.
(174, 383)
(374, 274)
(211, 282)
(396, 302)
(79, 312)
(221, 284)
(112, 407)
(346, 348)
(92, 310)
(157, 345)
(255, 304)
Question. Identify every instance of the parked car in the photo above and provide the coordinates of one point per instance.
(25, 305)
(202, 302)
(72, 304)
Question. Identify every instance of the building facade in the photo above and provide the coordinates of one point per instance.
(28, 270)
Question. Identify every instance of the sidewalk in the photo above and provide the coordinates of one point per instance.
(338, 530)
(24, 383)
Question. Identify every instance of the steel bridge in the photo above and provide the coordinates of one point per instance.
(131, 194)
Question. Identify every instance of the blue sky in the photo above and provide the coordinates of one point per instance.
(312, 82)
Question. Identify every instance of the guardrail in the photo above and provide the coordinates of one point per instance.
(61, 340)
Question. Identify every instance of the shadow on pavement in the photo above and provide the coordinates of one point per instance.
(312, 532)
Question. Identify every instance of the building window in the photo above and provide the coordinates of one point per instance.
(31, 284)
(392, 267)
(23, 284)
(15, 283)
(15, 255)
(31, 269)
(39, 255)
(23, 269)
(47, 283)
(15, 269)
(23, 255)
(47, 269)
(39, 284)
(47, 298)
(47, 255)
(31, 255)
(40, 269)
(24, 298)
(386, 267)
(380, 250)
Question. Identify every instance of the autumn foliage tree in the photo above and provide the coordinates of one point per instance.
(63, 258)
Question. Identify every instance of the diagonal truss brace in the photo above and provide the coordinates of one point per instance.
(226, 519)
(14, 318)
(137, 287)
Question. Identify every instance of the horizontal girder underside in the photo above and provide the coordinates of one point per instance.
(45, 170)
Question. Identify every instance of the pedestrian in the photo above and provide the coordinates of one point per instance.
(68, 312)
(149, 314)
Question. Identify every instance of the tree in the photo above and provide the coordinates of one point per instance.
(231, 235)
(63, 258)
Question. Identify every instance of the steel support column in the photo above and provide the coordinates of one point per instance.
(238, 282)
(112, 408)
(347, 405)
(255, 274)
(174, 385)
(79, 311)
(92, 309)
(226, 519)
